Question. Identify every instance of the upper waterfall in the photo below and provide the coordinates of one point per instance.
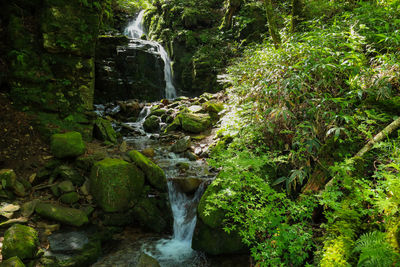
(135, 30)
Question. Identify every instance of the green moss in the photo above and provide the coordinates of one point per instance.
(154, 174)
(73, 217)
(195, 123)
(175, 125)
(216, 241)
(213, 218)
(70, 198)
(7, 178)
(12, 262)
(150, 217)
(114, 183)
(104, 131)
(151, 124)
(21, 241)
(67, 145)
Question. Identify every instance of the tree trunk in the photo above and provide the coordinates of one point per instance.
(232, 7)
(272, 23)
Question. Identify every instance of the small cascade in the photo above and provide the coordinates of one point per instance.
(135, 31)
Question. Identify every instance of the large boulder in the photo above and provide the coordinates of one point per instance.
(195, 123)
(68, 216)
(151, 124)
(21, 241)
(114, 183)
(209, 235)
(147, 261)
(67, 145)
(154, 174)
(153, 214)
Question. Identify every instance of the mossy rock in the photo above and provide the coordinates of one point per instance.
(104, 131)
(154, 174)
(69, 198)
(214, 218)
(21, 241)
(175, 125)
(66, 186)
(195, 123)
(12, 262)
(158, 112)
(114, 183)
(147, 261)
(216, 241)
(68, 216)
(8, 178)
(68, 173)
(213, 107)
(117, 218)
(149, 216)
(151, 124)
(67, 145)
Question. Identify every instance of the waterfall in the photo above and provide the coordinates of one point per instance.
(135, 30)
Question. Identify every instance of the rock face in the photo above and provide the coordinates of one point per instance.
(51, 63)
(153, 214)
(209, 235)
(154, 174)
(73, 217)
(104, 131)
(67, 145)
(114, 183)
(21, 241)
(128, 69)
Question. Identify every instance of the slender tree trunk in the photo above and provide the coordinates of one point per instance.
(297, 8)
(231, 7)
(272, 23)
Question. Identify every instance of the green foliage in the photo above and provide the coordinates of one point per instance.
(374, 250)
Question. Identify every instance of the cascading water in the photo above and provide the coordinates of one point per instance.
(135, 30)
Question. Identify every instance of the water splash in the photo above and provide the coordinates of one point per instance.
(135, 30)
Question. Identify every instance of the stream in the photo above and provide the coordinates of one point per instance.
(172, 250)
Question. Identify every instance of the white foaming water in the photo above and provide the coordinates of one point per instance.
(177, 250)
(135, 30)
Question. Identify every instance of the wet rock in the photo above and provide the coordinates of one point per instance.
(69, 216)
(183, 166)
(114, 183)
(7, 210)
(151, 124)
(149, 152)
(21, 241)
(129, 109)
(66, 186)
(104, 131)
(154, 174)
(195, 123)
(147, 261)
(148, 213)
(69, 198)
(68, 173)
(67, 145)
(175, 125)
(181, 145)
(216, 241)
(191, 156)
(68, 242)
(188, 185)
(158, 112)
(12, 262)
(213, 107)
(195, 109)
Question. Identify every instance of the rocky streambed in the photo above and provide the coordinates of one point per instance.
(129, 196)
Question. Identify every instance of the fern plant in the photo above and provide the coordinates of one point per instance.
(374, 250)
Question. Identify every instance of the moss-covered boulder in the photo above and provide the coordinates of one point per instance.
(216, 241)
(114, 183)
(213, 107)
(195, 123)
(12, 262)
(68, 216)
(104, 131)
(21, 241)
(67, 145)
(8, 178)
(152, 215)
(151, 124)
(69, 198)
(154, 174)
(68, 173)
(213, 218)
(175, 125)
